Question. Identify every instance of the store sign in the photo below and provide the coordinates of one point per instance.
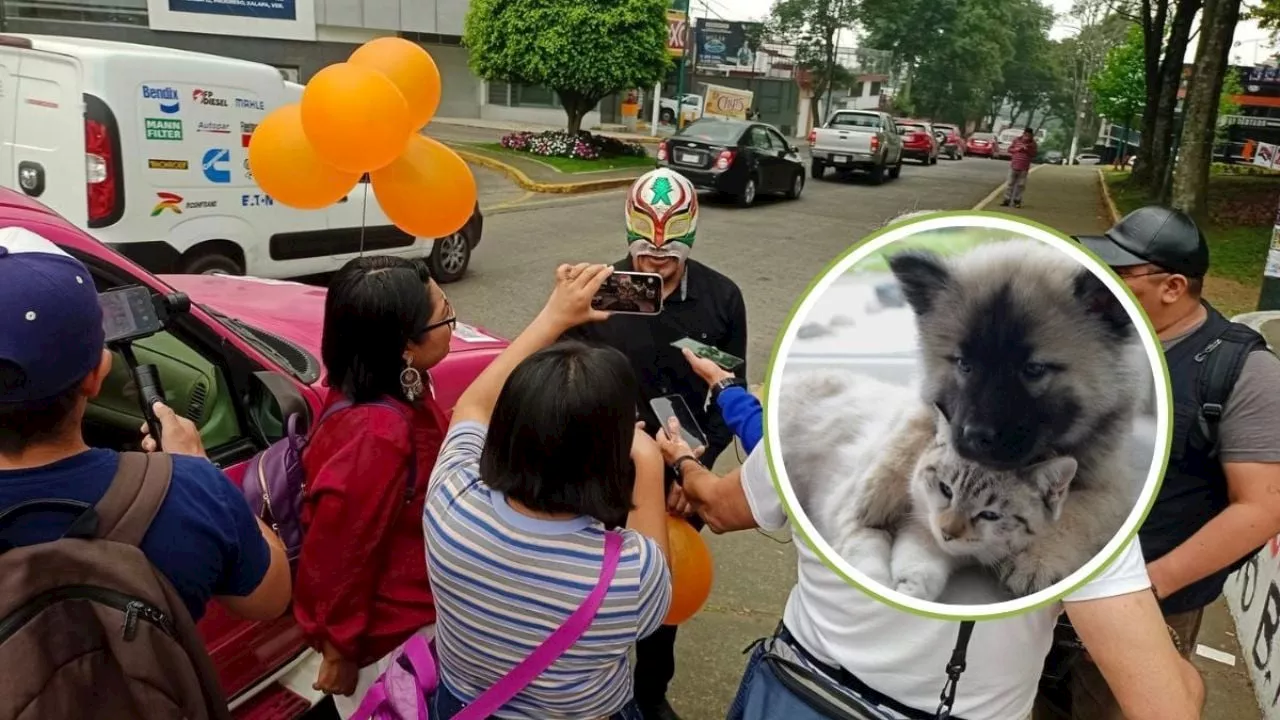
(276, 19)
(677, 33)
(727, 102)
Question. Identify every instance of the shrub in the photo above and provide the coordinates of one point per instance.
(559, 143)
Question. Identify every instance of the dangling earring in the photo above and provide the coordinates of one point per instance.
(410, 380)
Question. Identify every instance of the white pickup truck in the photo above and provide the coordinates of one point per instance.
(863, 140)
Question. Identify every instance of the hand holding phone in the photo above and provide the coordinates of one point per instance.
(715, 355)
(630, 293)
(670, 406)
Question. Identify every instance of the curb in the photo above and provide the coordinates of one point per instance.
(1106, 195)
(999, 189)
(532, 185)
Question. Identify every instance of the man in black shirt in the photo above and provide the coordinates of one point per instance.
(698, 303)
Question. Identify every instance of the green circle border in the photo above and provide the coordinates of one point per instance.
(774, 367)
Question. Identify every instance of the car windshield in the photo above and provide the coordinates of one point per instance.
(712, 131)
(981, 136)
(905, 127)
(1009, 135)
(855, 120)
(300, 363)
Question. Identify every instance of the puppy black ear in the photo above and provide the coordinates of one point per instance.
(922, 276)
(1099, 302)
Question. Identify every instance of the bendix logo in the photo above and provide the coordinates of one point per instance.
(166, 96)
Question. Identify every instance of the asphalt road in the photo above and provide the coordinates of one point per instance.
(773, 251)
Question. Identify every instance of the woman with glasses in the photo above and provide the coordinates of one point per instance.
(361, 588)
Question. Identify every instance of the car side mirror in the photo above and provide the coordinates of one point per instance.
(273, 399)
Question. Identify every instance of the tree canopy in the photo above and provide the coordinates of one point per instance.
(584, 50)
(1120, 88)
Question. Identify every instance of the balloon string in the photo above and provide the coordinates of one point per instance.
(364, 207)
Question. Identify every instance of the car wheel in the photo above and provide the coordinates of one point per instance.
(817, 170)
(797, 186)
(748, 196)
(667, 116)
(212, 263)
(896, 170)
(449, 258)
(877, 175)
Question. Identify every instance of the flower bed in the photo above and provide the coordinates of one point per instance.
(559, 143)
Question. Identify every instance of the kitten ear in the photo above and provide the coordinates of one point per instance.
(1053, 478)
(1099, 302)
(941, 426)
(922, 275)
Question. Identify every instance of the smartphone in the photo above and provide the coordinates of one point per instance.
(630, 293)
(669, 406)
(129, 314)
(715, 355)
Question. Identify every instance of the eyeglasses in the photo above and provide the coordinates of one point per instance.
(1134, 276)
(451, 320)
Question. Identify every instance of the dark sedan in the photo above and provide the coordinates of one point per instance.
(736, 158)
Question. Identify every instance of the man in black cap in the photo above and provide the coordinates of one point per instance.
(1220, 501)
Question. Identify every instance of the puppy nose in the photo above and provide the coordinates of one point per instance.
(979, 436)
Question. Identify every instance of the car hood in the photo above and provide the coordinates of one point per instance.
(295, 312)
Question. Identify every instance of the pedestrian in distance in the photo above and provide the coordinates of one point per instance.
(1022, 152)
(699, 304)
(1220, 499)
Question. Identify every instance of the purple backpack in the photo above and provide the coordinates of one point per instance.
(404, 691)
(275, 482)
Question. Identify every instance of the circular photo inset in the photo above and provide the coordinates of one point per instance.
(968, 415)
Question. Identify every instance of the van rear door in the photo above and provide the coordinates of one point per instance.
(9, 59)
(48, 151)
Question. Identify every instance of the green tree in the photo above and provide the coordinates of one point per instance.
(813, 27)
(1227, 105)
(583, 50)
(1120, 88)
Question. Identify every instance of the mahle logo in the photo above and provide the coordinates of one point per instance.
(163, 129)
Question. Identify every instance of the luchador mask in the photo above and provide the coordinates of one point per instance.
(662, 215)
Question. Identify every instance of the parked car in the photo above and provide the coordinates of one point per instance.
(980, 145)
(1088, 159)
(1053, 157)
(244, 358)
(736, 158)
(862, 140)
(667, 108)
(918, 142)
(950, 140)
(1004, 141)
(146, 149)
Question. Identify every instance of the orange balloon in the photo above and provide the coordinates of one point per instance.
(410, 67)
(288, 169)
(691, 571)
(428, 191)
(355, 117)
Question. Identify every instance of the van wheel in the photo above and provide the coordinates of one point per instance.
(449, 258)
(667, 116)
(212, 263)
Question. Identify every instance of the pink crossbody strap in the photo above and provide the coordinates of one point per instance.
(554, 646)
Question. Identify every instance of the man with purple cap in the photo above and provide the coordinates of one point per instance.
(53, 362)
(1220, 499)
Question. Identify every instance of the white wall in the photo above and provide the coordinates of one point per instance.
(1253, 596)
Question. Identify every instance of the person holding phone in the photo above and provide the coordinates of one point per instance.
(697, 303)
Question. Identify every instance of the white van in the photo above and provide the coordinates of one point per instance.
(146, 149)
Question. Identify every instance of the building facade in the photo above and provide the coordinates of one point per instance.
(299, 37)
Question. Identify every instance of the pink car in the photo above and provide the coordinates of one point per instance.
(244, 357)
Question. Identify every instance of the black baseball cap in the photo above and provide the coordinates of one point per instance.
(1155, 235)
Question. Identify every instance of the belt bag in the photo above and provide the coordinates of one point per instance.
(839, 695)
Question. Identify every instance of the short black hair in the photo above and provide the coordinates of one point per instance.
(560, 437)
(1195, 286)
(1028, 131)
(24, 424)
(375, 306)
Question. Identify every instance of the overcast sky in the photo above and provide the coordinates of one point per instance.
(1253, 44)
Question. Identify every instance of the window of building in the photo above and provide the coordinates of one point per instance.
(122, 12)
(517, 95)
(875, 88)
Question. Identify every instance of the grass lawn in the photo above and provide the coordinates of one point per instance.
(1241, 212)
(573, 165)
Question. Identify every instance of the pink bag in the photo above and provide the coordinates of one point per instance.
(402, 691)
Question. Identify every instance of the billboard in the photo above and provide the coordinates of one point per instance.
(726, 102)
(276, 19)
(726, 45)
(677, 32)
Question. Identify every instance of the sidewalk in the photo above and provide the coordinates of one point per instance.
(1069, 199)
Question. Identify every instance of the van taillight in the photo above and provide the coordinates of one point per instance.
(98, 164)
(724, 160)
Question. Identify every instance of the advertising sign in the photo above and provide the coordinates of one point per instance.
(677, 32)
(278, 19)
(724, 45)
(727, 102)
(1253, 597)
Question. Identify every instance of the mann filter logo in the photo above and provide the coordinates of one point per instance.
(206, 97)
(163, 129)
(167, 97)
(155, 164)
(214, 127)
(250, 104)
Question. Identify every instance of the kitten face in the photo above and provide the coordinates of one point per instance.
(989, 515)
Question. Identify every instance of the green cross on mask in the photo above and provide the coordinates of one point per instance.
(662, 189)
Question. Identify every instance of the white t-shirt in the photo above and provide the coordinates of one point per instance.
(905, 656)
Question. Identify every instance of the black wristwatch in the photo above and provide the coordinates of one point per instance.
(680, 461)
(732, 381)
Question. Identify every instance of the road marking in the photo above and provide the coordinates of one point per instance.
(1216, 655)
(523, 203)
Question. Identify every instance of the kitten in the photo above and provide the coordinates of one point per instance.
(965, 513)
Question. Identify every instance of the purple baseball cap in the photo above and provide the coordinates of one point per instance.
(50, 320)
